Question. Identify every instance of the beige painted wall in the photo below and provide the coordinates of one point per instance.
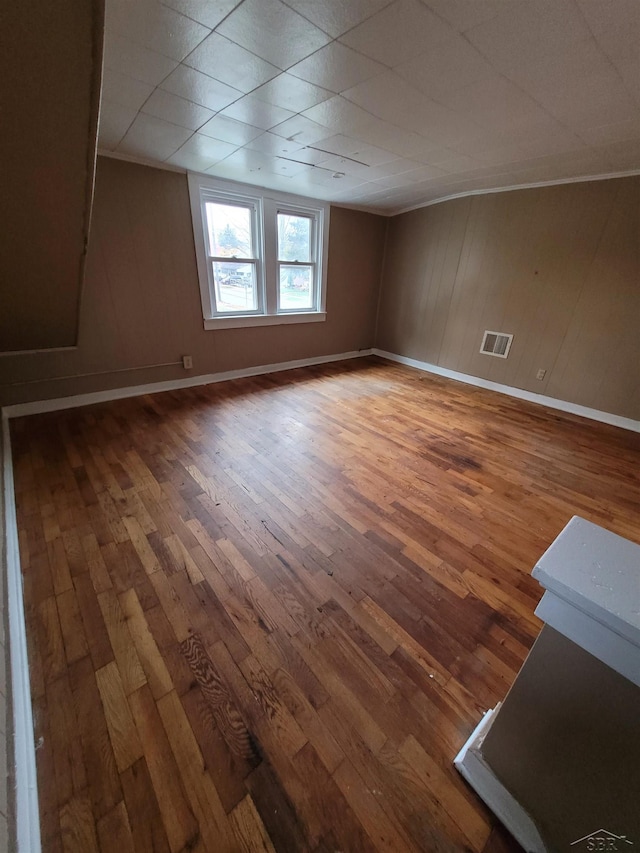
(50, 68)
(557, 267)
(141, 302)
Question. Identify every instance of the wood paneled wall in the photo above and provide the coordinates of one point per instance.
(557, 267)
(141, 303)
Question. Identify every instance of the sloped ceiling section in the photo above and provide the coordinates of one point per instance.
(50, 71)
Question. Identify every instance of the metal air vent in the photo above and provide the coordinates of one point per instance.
(496, 343)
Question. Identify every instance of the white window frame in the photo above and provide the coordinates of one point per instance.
(254, 205)
(315, 251)
(267, 204)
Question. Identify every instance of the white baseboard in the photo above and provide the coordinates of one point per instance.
(471, 765)
(519, 393)
(56, 404)
(26, 785)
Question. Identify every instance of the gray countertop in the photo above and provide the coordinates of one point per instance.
(596, 571)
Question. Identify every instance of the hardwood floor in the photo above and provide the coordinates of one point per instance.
(266, 614)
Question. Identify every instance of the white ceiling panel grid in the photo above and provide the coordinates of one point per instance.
(378, 103)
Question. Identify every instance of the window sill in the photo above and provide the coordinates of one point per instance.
(238, 322)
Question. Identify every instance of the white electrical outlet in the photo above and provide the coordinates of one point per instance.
(541, 373)
(187, 362)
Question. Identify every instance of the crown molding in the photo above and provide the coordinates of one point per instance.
(582, 179)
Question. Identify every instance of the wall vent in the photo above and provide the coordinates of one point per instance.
(496, 343)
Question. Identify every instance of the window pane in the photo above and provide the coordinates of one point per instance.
(230, 231)
(235, 287)
(294, 237)
(296, 287)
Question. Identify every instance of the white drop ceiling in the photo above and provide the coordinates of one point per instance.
(383, 104)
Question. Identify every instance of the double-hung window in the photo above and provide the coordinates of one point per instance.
(295, 261)
(233, 255)
(262, 256)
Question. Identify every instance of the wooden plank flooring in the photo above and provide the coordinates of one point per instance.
(265, 614)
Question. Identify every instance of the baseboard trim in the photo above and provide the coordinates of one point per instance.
(519, 393)
(58, 403)
(26, 784)
(470, 763)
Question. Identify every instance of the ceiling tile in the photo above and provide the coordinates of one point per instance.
(233, 172)
(369, 155)
(273, 31)
(393, 99)
(269, 143)
(591, 102)
(338, 113)
(124, 90)
(337, 144)
(291, 93)
(325, 178)
(605, 134)
(336, 67)
(603, 17)
(394, 167)
(290, 168)
(150, 137)
(623, 155)
(621, 44)
(570, 66)
(446, 67)
(176, 110)
(526, 30)
(337, 16)
(231, 169)
(494, 103)
(123, 55)
(223, 59)
(483, 140)
(115, 120)
(252, 110)
(199, 153)
(536, 90)
(200, 88)
(537, 147)
(451, 161)
(250, 161)
(335, 163)
(399, 32)
(207, 12)
(389, 97)
(154, 26)
(230, 130)
(300, 129)
(464, 14)
(311, 156)
(630, 75)
(502, 155)
(409, 179)
(537, 136)
(397, 140)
